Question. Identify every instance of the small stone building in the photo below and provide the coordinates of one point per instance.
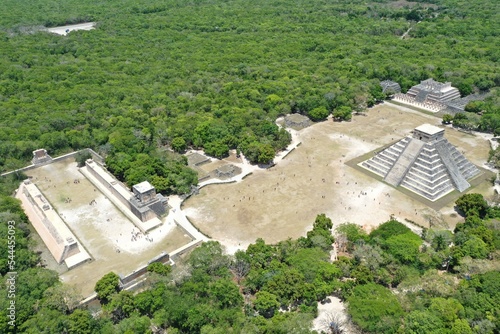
(297, 121)
(40, 157)
(390, 87)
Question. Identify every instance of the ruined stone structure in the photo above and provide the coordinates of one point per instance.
(297, 121)
(429, 94)
(390, 87)
(227, 171)
(146, 203)
(433, 91)
(41, 157)
(425, 163)
(58, 238)
(143, 202)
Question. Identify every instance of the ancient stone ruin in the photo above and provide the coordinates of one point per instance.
(227, 171)
(297, 121)
(390, 87)
(54, 232)
(429, 94)
(40, 157)
(425, 163)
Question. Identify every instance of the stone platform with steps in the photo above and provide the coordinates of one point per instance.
(425, 163)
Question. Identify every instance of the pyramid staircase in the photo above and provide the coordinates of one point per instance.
(431, 169)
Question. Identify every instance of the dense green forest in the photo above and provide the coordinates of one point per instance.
(215, 75)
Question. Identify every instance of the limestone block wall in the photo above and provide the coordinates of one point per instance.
(59, 240)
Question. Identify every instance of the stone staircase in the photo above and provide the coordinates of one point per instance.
(403, 163)
(383, 162)
(431, 169)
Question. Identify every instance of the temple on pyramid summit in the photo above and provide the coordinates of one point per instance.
(425, 163)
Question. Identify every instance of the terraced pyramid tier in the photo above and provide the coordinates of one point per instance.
(425, 163)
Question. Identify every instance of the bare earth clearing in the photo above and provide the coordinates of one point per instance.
(282, 202)
(102, 228)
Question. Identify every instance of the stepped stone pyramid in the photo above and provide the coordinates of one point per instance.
(425, 163)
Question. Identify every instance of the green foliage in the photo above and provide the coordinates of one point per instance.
(259, 153)
(353, 234)
(343, 113)
(159, 268)
(374, 308)
(81, 157)
(423, 322)
(107, 286)
(389, 229)
(321, 234)
(472, 205)
(447, 118)
(209, 258)
(178, 144)
(318, 114)
(448, 310)
(404, 247)
(266, 303)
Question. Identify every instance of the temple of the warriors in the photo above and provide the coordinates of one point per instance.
(425, 163)
(429, 94)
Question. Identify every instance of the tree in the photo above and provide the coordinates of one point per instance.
(343, 113)
(374, 308)
(318, 114)
(266, 303)
(81, 157)
(422, 322)
(447, 119)
(472, 204)
(62, 297)
(475, 248)
(226, 294)
(334, 323)
(240, 265)
(178, 144)
(209, 258)
(448, 310)
(81, 322)
(159, 268)
(108, 285)
(121, 306)
(389, 229)
(353, 234)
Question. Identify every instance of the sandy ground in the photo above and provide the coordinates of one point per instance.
(329, 310)
(112, 240)
(282, 202)
(64, 30)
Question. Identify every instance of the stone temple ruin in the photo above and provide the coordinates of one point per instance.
(390, 87)
(297, 121)
(425, 163)
(41, 157)
(61, 242)
(429, 94)
(144, 204)
(227, 171)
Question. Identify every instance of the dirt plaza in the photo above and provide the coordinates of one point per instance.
(100, 227)
(282, 202)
